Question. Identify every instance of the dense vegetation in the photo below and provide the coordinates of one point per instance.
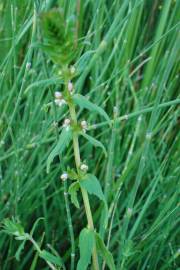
(121, 59)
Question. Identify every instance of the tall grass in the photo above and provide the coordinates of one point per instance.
(128, 65)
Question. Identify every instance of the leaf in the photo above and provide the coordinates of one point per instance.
(72, 175)
(86, 244)
(104, 252)
(84, 59)
(42, 83)
(73, 192)
(63, 142)
(128, 248)
(54, 252)
(35, 225)
(94, 142)
(22, 237)
(13, 228)
(85, 103)
(47, 256)
(21, 247)
(92, 185)
(19, 250)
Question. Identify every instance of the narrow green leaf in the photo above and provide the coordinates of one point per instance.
(86, 244)
(42, 83)
(94, 142)
(74, 187)
(85, 103)
(35, 225)
(47, 256)
(104, 252)
(55, 253)
(63, 142)
(21, 237)
(12, 227)
(19, 250)
(92, 185)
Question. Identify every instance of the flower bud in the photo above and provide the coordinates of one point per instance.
(60, 102)
(28, 65)
(84, 125)
(64, 176)
(72, 70)
(70, 86)
(66, 122)
(58, 95)
(84, 167)
(57, 101)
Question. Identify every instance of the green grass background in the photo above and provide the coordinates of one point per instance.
(130, 59)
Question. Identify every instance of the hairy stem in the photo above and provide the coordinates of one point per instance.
(84, 192)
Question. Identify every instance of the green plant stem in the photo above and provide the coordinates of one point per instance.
(84, 192)
(36, 246)
(69, 225)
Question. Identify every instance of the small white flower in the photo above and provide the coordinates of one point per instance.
(84, 167)
(84, 125)
(60, 102)
(58, 95)
(72, 70)
(57, 101)
(28, 65)
(63, 102)
(70, 86)
(64, 176)
(66, 123)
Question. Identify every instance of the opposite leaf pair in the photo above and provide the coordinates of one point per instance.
(87, 241)
(91, 184)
